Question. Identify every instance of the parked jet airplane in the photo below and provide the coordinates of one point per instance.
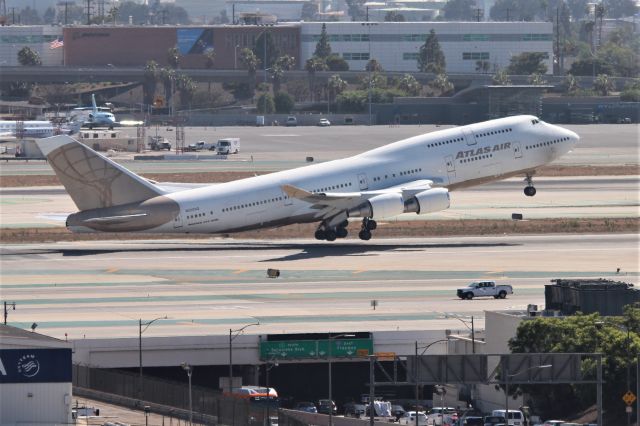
(97, 117)
(412, 175)
(9, 129)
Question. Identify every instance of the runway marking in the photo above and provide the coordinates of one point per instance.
(112, 270)
(240, 271)
(359, 271)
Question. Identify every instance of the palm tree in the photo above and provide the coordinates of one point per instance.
(150, 81)
(173, 57)
(410, 85)
(313, 65)
(501, 78)
(168, 77)
(603, 84)
(537, 79)
(251, 62)
(209, 61)
(281, 64)
(335, 86)
(442, 84)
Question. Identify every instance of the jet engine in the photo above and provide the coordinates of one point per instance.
(380, 206)
(429, 201)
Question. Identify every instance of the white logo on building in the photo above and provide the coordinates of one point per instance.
(28, 365)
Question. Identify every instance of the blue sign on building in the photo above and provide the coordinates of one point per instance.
(194, 40)
(35, 365)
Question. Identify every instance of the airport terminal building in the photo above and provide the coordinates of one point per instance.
(395, 45)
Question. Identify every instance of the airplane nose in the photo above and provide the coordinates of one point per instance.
(573, 136)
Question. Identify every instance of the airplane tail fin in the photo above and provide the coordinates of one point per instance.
(93, 103)
(92, 180)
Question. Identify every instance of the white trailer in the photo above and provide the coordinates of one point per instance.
(228, 146)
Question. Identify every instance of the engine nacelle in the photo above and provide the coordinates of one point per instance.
(380, 206)
(429, 201)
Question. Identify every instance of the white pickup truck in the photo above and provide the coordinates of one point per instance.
(484, 289)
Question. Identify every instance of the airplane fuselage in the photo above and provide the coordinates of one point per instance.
(452, 159)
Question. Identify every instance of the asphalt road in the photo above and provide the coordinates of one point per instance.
(100, 289)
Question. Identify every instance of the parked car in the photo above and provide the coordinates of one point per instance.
(409, 418)
(353, 409)
(291, 122)
(471, 421)
(307, 407)
(324, 122)
(494, 420)
(326, 406)
(397, 410)
(484, 289)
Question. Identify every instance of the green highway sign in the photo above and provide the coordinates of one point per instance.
(312, 349)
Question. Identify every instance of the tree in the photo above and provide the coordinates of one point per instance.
(313, 65)
(603, 84)
(266, 104)
(393, 16)
(337, 63)
(377, 80)
(209, 62)
(282, 64)
(323, 48)
(501, 78)
(410, 85)
(283, 103)
(356, 9)
(49, 16)
(251, 63)
(517, 10)
(309, 11)
(527, 63)
(149, 82)
(430, 58)
(272, 51)
(570, 84)
(536, 79)
(589, 66)
(483, 66)
(373, 66)
(581, 333)
(578, 8)
(442, 84)
(29, 16)
(352, 101)
(28, 57)
(173, 57)
(168, 77)
(621, 8)
(459, 10)
(186, 87)
(335, 86)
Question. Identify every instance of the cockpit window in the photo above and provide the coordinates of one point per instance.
(535, 121)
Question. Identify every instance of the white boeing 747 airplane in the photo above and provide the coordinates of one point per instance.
(412, 175)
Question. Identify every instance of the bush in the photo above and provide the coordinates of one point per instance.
(336, 63)
(283, 103)
(238, 90)
(630, 95)
(265, 104)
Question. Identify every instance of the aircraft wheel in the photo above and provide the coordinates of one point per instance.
(372, 225)
(342, 232)
(530, 191)
(330, 235)
(320, 235)
(365, 235)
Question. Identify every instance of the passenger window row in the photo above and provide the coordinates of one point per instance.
(480, 157)
(547, 143)
(494, 132)
(257, 203)
(333, 187)
(431, 145)
(403, 173)
(193, 216)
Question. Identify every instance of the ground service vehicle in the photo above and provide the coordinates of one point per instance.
(291, 122)
(516, 417)
(158, 143)
(484, 289)
(198, 146)
(228, 146)
(409, 418)
(324, 122)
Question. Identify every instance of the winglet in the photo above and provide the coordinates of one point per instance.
(295, 192)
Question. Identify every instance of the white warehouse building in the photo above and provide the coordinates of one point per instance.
(395, 45)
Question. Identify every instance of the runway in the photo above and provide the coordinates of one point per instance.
(101, 289)
(560, 197)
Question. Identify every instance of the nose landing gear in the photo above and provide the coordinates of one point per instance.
(529, 190)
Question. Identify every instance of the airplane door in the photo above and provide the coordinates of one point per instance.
(451, 165)
(517, 150)
(469, 136)
(362, 181)
(177, 222)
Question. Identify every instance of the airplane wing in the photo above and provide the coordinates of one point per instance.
(330, 204)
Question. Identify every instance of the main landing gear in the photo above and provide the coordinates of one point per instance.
(368, 225)
(330, 234)
(529, 190)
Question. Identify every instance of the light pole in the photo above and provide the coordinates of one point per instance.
(331, 338)
(6, 311)
(268, 366)
(140, 331)
(415, 373)
(506, 385)
(189, 370)
(232, 336)
(235, 57)
(471, 329)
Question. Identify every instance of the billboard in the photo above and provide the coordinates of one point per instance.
(35, 365)
(313, 349)
(194, 41)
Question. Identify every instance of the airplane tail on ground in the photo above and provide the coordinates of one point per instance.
(93, 103)
(92, 180)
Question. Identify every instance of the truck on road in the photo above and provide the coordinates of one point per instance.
(484, 289)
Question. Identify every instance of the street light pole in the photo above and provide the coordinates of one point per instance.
(140, 331)
(506, 385)
(424, 349)
(231, 337)
(329, 354)
(189, 369)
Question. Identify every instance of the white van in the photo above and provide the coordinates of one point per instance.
(228, 146)
(516, 418)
